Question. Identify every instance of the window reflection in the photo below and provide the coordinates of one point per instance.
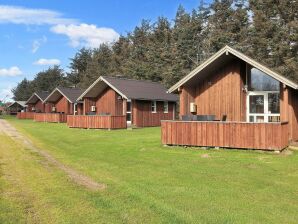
(273, 103)
(259, 81)
(256, 104)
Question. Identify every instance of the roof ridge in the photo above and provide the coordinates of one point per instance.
(130, 79)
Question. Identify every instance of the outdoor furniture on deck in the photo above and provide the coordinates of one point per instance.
(198, 117)
(187, 117)
(223, 118)
(91, 113)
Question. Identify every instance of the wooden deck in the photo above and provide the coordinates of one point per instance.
(50, 117)
(265, 136)
(25, 115)
(96, 121)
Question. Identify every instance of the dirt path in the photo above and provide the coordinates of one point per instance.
(74, 175)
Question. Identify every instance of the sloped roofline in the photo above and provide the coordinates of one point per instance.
(101, 78)
(17, 102)
(57, 89)
(34, 94)
(227, 50)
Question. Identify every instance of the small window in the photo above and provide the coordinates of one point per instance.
(153, 106)
(165, 107)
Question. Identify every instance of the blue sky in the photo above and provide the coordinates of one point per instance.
(37, 34)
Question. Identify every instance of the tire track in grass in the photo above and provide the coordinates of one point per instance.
(74, 175)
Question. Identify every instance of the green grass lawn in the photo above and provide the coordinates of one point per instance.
(146, 182)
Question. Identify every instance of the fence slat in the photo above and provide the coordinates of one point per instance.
(266, 136)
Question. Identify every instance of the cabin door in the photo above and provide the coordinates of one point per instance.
(128, 112)
(263, 107)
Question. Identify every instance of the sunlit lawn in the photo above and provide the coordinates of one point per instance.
(147, 182)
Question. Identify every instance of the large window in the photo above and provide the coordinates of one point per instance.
(263, 100)
(259, 81)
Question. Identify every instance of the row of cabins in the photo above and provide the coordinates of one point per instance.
(229, 101)
(110, 102)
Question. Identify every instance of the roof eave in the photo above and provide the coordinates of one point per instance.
(57, 89)
(104, 80)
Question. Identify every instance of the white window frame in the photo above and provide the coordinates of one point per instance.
(266, 113)
(153, 106)
(129, 112)
(166, 107)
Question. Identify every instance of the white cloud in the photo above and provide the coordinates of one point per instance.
(37, 43)
(86, 35)
(21, 15)
(80, 34)
(6, 94)
(44, 61)
(12, 71)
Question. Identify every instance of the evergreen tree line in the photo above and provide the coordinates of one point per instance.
(165, 51)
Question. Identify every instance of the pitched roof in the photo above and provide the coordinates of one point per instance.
(130, 89)
(42, 95)
(222, 55)
(21, 103)
(71, 94)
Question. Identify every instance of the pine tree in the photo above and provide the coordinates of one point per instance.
(78, 66)
(138, 66)
(23, 90)
(220, 24)
(99, 65)
(48, 80)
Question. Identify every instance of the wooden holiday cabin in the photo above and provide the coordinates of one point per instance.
(115, 102)
(35, 104)
(15, 107)
(233, 101)
(61, 102)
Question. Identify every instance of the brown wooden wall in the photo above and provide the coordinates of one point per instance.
(106, 102)
(39, 106)
(63, 106)
(289, 110)
(48, 107)
(266, 136)
(143, 117)
(219, 94)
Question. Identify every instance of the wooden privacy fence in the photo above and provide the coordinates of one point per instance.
(50, 117)
(265, 136)
(25, 115)
(96, 121)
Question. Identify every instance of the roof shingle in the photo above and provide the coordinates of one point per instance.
(140, 89)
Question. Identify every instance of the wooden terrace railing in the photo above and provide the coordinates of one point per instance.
(265, 136)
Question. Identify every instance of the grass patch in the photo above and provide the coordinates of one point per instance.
(154, 184)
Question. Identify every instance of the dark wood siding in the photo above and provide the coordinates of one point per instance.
(143, 117)
(63, 106)
(219, 94)
(106, 102)
(289, 110)
(39, 106)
